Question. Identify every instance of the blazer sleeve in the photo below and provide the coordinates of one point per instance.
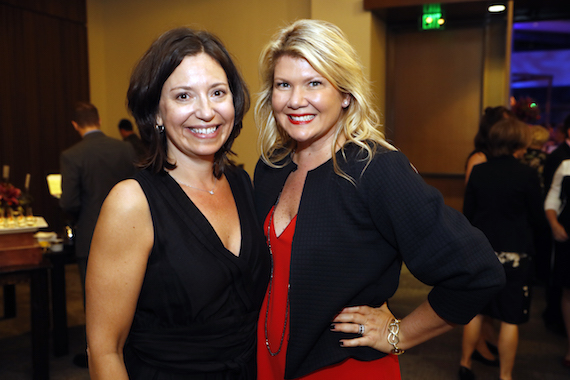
(437, 243)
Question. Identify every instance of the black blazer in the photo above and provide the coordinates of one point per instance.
(89, 169)
(350, 241)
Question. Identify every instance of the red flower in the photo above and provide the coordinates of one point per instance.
(9, 195)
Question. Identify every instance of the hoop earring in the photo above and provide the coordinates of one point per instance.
(159, 128)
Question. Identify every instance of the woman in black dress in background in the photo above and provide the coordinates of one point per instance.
(503, 199)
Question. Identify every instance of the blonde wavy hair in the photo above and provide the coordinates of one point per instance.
(328, 51)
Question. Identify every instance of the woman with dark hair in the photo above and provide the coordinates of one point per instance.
(486, 349)
(479, 155)
(503, 198)
(178, 265)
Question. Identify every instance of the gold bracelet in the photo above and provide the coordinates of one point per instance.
(393, 339)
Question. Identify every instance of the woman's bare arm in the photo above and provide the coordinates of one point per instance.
(116, 267)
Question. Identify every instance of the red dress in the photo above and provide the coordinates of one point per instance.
(273, 367)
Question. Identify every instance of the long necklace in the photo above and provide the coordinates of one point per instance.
(269, 290)
(211, 192)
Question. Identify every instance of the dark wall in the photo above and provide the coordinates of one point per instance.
(43, 72)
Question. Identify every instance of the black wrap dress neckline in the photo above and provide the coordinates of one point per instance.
(198, 306)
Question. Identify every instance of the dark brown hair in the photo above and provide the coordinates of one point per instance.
(85, 114)
(490, 117)
(507, 136)
(154, 68)
(126, 125)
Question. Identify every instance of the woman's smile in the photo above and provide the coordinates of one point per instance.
(301, 119)
(205, 131)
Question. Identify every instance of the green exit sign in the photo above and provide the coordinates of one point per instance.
(432, 17)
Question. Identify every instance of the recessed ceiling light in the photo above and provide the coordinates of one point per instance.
(496, 8)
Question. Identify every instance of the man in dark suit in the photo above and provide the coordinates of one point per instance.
(89, 169)
(128, 135)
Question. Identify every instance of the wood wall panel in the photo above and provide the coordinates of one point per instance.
(43, 72)
(69, 10)
(451, 187)
(434, 97)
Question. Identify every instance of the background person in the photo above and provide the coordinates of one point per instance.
(557, 137)
(558, 214)
(552, 315)
(128, 135)
(535, 156)
(555, 158)
(503, 199)
(179, 264)
(89, 169)
(490, 116)
(486, 349)
(342, 210)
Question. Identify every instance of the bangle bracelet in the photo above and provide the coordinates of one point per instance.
(393, 338)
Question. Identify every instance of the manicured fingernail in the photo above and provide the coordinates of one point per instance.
(332, 326)
(341, 343)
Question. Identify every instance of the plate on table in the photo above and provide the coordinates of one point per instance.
(39, 223)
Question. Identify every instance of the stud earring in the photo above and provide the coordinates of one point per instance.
(159, 128)
(345, 103)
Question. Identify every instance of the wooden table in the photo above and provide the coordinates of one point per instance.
(58, 262)
(37, 276)
(22, 261)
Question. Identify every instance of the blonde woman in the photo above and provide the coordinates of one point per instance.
(342, 210)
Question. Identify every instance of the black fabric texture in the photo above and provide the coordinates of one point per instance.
(199, 303)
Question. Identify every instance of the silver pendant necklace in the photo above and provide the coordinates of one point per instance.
(211, 192)
(269, 290)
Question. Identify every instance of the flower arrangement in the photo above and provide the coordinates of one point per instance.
(9, 195)
(15, 207)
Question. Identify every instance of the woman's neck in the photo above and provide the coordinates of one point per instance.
(193, 169)
(313, 156)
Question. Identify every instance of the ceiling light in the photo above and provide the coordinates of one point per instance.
(496, 8)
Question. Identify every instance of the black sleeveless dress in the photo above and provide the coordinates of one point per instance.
(198, 307)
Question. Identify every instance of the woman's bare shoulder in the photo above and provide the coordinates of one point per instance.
(127, 195)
